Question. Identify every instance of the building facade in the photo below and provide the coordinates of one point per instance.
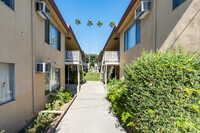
(27, 42)
(168, 24)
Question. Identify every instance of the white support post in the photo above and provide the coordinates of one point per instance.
(106, 75)
(100, 72)
(115, 73)
(68, 75)
(78, 71)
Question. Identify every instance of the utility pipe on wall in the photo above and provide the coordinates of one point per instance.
(32, 54)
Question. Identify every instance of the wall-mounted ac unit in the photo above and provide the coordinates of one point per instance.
(43, 10)
(143, 9)
(42, 67)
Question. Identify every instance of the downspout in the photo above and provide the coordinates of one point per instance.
(32, 54)
(155, 25)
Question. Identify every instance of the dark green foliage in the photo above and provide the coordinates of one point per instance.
(74, 76)
(160, 93)
(44, 120)
(59, 98)
(93, 59)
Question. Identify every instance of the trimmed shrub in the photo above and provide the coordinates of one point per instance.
(160, 93)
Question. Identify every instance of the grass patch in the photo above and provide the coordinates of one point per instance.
(92, 76)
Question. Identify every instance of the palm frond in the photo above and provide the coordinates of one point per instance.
(99, 23)
(89, 23)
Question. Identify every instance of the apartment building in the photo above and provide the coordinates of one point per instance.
(109, 58)
(74, 63)
(33, 41)
(155, 24)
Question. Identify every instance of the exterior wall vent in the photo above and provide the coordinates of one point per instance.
(143, 9)
(42, 67)
(43, 10)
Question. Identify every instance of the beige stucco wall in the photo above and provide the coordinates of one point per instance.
(16, 47)
(146, 42)
(43, 51)
(180, 26)
(163, 28)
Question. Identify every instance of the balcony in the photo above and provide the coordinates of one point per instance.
(73, 57)
(111, 57)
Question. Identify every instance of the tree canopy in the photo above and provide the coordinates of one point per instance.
(99, 23)
(89, 23)
(93, 58)
(112, 24)
(78, 21)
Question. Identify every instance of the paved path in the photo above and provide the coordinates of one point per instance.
(90, 113)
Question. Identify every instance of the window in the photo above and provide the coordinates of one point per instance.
(52, 80)
(125, 41)
(7, 82)
(52, 35)
(132, 36)
(10, 3)
(176, 3)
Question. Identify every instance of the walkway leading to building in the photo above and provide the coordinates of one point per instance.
(90, 113)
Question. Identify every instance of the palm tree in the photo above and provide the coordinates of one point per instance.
(89, 23)
(112, 24)
(99, 23)
(77, 21)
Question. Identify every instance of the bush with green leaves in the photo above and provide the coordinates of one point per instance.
(44, 120)
(58, 98)
(160, 93)
(74, 76)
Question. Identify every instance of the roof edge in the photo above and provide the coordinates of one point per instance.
(112, 33)
(118, 26)
(55, 8)
(130, 6)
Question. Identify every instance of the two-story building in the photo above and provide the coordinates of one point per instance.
(155, 25)
(34, 39)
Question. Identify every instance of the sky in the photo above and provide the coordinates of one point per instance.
(95, 10)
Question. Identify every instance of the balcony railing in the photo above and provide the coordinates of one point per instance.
(73, 57)
(111, 57)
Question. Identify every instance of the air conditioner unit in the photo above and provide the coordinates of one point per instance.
(42, 67)
(43, 10)
(143, 9)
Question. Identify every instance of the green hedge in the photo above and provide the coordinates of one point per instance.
(160, 93)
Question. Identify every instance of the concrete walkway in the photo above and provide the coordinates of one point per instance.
(90, 113)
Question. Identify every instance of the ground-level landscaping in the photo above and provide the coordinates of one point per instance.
(46, 119)
(160, 93)
(92, 76)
